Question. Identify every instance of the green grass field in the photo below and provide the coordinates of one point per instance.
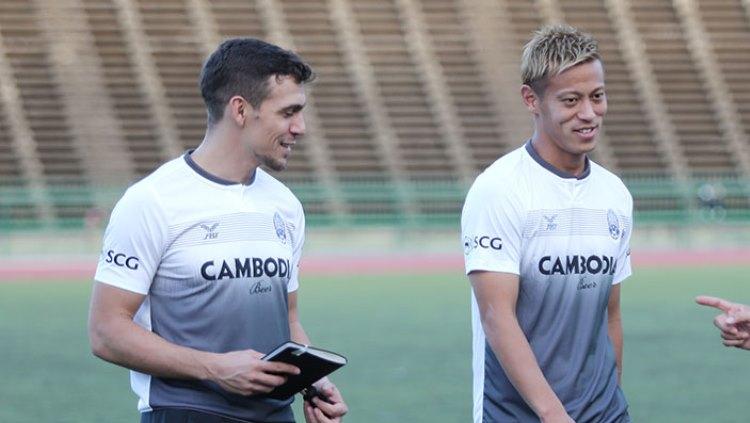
(408, 342)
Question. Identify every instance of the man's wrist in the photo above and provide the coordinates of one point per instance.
(552, 413)
(204, 365)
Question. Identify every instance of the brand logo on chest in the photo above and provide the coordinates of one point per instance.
(549, 222)
(578, 265)
(211, 232)
(246, 267)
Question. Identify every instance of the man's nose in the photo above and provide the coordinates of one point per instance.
(586, 112)
(298, 125)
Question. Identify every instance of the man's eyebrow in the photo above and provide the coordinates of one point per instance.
(578, 93)
(293, 108)
(569, 92)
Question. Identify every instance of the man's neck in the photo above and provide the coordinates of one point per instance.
(573, 164)
(222, 155)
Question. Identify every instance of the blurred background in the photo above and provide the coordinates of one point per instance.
(413, 99)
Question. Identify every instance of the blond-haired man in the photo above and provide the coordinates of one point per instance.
(546, 235)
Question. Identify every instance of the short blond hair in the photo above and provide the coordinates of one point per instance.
(552, 50)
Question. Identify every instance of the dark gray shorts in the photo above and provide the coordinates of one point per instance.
(184, 415)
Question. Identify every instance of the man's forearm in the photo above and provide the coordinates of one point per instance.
(123, 342)
(299, 336)
(515, 355)
(614, 326)
(298, 333)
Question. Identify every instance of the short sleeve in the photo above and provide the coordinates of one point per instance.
(298, 239)
(491, 228)
(624, 269)
(133, 242)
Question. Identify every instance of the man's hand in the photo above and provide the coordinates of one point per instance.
(328, 410)
(734, 323)
(244, 373)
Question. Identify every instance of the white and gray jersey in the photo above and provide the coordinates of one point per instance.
(568, 240)
(216, 261)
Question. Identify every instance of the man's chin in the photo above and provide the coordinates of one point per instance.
(587, 147)
(276, 165)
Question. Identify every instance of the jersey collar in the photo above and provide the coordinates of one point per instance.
(561, 173)
(213, 178)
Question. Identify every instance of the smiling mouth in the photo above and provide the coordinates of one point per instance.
(585, 131)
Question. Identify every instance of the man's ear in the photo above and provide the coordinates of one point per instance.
(238, 110)
(530, 99)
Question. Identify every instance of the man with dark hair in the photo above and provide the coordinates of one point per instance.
(242, 67)
(546, 235)
(198, 275)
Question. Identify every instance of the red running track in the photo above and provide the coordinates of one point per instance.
(58, 269)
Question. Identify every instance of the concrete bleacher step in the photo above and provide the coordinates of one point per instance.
(28, 57)
(177, 48)
(626, 119)
(728, 30)
(398, 81)
(684, 93)
(464, 83)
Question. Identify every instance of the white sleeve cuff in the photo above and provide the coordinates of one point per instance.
(483, 265)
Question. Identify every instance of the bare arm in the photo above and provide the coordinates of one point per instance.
(116, 338)
(614, 324)
(334, 408)
(496, 295)
(298, 333)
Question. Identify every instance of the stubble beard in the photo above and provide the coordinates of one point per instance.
(277, 165)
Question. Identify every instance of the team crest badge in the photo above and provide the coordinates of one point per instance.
(614, 224)
(280, 226)
(550, 222)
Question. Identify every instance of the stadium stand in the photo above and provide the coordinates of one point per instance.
(132, 108)
(404, 111)
(177, 55)
(343, 120)
(481, 129)
(728, 30)
(10, 169)
(16, 204)
(419, 142)
(241, 18)
(28, 56)
(633, 146)
(700, 135)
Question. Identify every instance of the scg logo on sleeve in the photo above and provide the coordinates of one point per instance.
(482, 241)
(122, 260)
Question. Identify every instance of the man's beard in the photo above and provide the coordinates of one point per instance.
(274, 164)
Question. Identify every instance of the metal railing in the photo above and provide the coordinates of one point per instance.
(376, 202)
